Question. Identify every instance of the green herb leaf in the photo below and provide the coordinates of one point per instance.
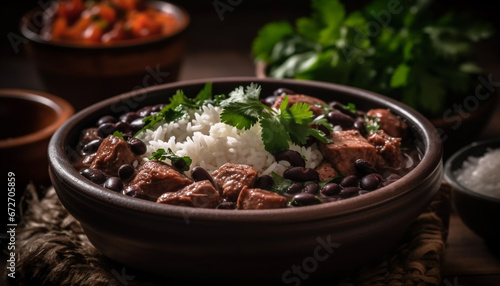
(274, 134)
(280, 184)
(372, 124)
(118, 134)
(178, 106)
(268, 36)
(160, 155)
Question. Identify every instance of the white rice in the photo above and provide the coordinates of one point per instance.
(210, 143)
(481, 174)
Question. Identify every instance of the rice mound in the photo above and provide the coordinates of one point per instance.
(211, 143)
(479, 173)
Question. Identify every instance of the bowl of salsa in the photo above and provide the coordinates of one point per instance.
(86, 51)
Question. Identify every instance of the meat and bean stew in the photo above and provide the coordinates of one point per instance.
(361, 152)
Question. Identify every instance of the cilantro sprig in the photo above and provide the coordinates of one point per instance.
(180, 163)
(290, 124)
(179, 106)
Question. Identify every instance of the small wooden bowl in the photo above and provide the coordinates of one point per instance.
(29, 118)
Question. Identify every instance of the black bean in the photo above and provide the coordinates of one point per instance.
(126, 171)
(226, 206)
(324, 129)
(135, 192)
(360, 126)
(106, 119)
(362, 192)
(94, 175)
(339, 118)
(301, 174)
(137, 146)
(137, 124)
(106, 129)
(91, 147)
(114, 184)
(331, 189)
(364, 167)
(282, 90)
(269, 101)
(349, 192)
(264, 182)
(295, 188)
(123, 127)
(370, 182)
(129, 117)
(311, 188)
(349, 181)
(145, 111)
(304, 199)
(157, 107)
(200, 174)
(180, 165)
(337, 105)
(393, 177)
(292, 157)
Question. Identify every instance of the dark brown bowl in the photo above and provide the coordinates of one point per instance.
(29, 118)
(87, 74)
(479, 212)
(219, 246)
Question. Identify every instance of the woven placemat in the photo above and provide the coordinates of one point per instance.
(53, 250)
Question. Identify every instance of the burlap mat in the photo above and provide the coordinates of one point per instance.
(53, 250)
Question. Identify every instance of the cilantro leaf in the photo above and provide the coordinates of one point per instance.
(180, 163)
(280, 184)
(242, 115)
(372, 124)
(118, 134)
(179, 104)
(274, 134)
(268, 36)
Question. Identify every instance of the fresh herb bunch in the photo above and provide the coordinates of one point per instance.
(416, 56)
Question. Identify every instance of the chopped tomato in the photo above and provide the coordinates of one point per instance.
(92, 34)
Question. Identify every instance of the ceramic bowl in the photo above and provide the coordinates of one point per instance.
(478, 211)
(29, 118)
(217, 246)
(87, 74)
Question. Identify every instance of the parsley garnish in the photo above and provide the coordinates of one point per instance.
(372, 124)
(118, 134)
(181, 163)
(180, 104)
(291, 124)
(280, 184)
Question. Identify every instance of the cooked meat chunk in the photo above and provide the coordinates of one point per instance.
(232, 178)
(389, 122)
(199, 194)
(255, 199)
(388, 147)
(311, 101)
(157, 178)
(88, 135)
(346, 147)
(112, 153)
(326, 171)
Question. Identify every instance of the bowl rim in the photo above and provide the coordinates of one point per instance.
(132, 43)
(432, 157)
(63, 110)
(450, 177)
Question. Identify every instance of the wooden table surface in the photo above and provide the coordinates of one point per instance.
(222, 48)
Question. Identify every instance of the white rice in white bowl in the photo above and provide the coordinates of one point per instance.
(211, 143)
(481, 174)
